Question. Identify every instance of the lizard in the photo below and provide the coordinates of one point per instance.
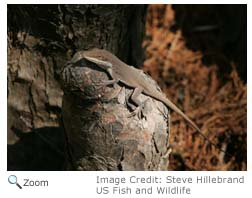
(129, 76)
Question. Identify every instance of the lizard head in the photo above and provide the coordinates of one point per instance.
(98, 56)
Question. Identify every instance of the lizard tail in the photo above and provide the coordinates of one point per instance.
(172, 106)
(177, 110)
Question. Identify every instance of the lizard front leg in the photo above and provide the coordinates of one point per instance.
(107, 66)
(113, 81)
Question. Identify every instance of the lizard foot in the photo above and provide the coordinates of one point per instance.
(139, 111)
(107, 83)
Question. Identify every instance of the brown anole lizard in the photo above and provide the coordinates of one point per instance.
(128, 75)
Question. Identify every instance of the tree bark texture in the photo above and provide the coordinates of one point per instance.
(102, 132)
(41, 39)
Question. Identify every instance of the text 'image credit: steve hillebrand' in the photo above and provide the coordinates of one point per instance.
(136, 185)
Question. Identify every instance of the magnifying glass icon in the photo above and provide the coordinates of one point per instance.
(12, 179)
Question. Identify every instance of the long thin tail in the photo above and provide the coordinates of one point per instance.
(177, 110)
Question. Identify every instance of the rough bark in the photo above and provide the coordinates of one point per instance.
(41, 38)
(102, 133)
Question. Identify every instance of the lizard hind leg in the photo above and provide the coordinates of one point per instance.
(140, 105)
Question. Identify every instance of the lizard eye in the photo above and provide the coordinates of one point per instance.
(100, 57)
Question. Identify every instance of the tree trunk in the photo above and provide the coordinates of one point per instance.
(102, 132)
(41, 39)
